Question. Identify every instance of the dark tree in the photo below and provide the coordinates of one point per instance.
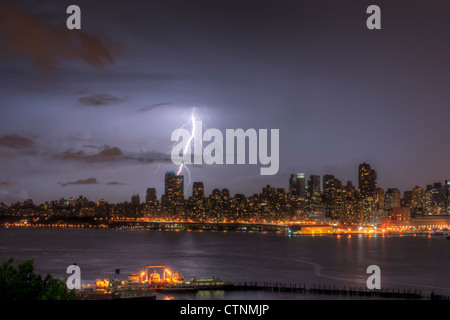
(21, 283)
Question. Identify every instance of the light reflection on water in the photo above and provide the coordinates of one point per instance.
(406, 262)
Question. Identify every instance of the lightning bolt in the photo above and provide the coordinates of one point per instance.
(188, 144)
(191, 123)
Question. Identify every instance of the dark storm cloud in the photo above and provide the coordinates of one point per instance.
(106, 155)
(16, 142)
(7, 183)
(153, 106)
(47, 45)
(148, 157)
(115, 183)
(83, 182)
(112, 155)
(90, 181)
(101, 99)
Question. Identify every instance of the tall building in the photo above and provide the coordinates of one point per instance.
(198, 202)
(416, 200)
(340, 203)
(329, 195)
(151, 201)
(367, 180)
(392, 200)
(447, 196)
(407, 199)
(135, 199)
(313, 185)
(198, 191)
(173, 191)
(280, 203)
(297, 185)
(348, 214)
(438, 195)
(150, 196)
(379, 199)
(428, 204)
(240, 206)
(313, 197)
(268, 194)
(313, 192)
(369, 212)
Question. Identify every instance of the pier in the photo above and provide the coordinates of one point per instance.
(342, 291)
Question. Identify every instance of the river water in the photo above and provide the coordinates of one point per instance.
(413, 262)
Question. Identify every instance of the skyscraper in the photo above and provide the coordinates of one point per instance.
(297, 185)
(313, 197)
(151, 201)
(198, 201)
(198, 191)
(268, 194)
(173, 190)
(150, 196)
(407, 199)
(392, 200)
(428, 204)
(313, 184)
(349, 214)
(438, 195)
(416, 200)
(329, 194)
(447, 196)
(313, 191)
(367, 180)
(135, 199)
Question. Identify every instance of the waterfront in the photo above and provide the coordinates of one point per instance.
(407, 262)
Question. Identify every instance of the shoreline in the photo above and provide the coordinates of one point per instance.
(141, 228)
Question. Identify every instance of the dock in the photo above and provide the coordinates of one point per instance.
(342, 291)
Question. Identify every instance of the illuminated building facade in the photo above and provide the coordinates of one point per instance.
(447, 196)
(198, 201)
(392, 200)
(150, 196)
(297, 185)
(416, 200)
(135, 199)
(173, 191)
(329, 195)
(313, 194)
(367, 180)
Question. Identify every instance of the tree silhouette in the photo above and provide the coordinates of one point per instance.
(21, 283)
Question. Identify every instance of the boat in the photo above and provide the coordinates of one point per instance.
(144, 285)
(212, 283)
(179, 287)
(166, 281)
(134, 294)
(115, 289)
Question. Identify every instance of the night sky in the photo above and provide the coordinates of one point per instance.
(90, 112)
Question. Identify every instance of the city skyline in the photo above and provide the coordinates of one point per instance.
(91, 112)
(335, 203)
(300, 189)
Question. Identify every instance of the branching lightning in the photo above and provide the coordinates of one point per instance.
(188, 144)
(193, 124)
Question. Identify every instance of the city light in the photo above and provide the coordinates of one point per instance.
(303, 209)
